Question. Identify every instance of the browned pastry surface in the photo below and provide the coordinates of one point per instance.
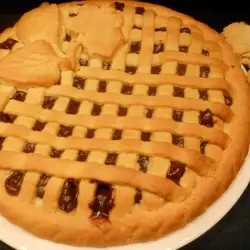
(238, 36)
(120, 121)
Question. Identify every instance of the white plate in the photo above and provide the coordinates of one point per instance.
(21, 240)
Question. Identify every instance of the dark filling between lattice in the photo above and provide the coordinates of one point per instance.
(135, 47)
(206, 118)
(29, 147)
(41, 185)
(176, 171)
(7, 118)
(39, 126)
(117, 134)
(8, 44)
(103, 202)
(14, 182)
(178, 140)
(203, 146)
(49, 102)
(158, 47)
(143, 161)
(73, 107)
(19, 96)
(69, 196)
(79, 82)
(65, 131)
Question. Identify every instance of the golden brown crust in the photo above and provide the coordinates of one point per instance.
(153, 217)
(89, 19)
(42, 23)
(33, 65)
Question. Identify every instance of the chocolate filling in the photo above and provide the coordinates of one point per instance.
(145, 136)
(79, 83)
(102, 87)
(49, 102)
(149, 113)
(90, 133)
(203, 94)
(176, 171)
(205, 52)
(122, 111)
(14, 182)
(117, 135)
(83, 62)
(127, 89)
(185, 30)
(19, 96)
(204, 71)
(29, 147)
(67, 38)
(72, 14)
(39, 126)
(41, 185)
(82, 155)
(183, 48)
(181, 69)
(228, 99)
(178, 140)
(8, 44)
(178, 92)
(119, 6)
(156, 69)
(177, 115)
(73, 107)
(103, 202)
(158, 47)
(152, 91)
(7, 118)
(143, 162)
(135, 47)
(138, 196)
(131, 70)
(69, 195)
(139, 10)
(203, 146)
(1, 141)
(96, 110)
(56, 153)
(111, 159)
(106, 65)
(137, 28)
(161, 29)
(206, 118)
(65, 131)
(246, 66)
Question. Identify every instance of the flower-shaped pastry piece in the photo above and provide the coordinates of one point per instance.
(40, 23)
(35, 64)
(100, 29)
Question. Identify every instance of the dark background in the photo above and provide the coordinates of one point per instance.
(233, 231)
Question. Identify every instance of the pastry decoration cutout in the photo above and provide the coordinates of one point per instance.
(35, 64)
(100, 29)
(40, 23)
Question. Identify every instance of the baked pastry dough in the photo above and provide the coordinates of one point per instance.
(120, 121)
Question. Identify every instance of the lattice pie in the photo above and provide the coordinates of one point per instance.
(120, 121)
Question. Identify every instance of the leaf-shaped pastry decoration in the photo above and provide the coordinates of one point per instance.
(100, 28)
(35, 64)
(40, 24)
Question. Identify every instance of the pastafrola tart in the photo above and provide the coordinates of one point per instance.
(120, 121)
